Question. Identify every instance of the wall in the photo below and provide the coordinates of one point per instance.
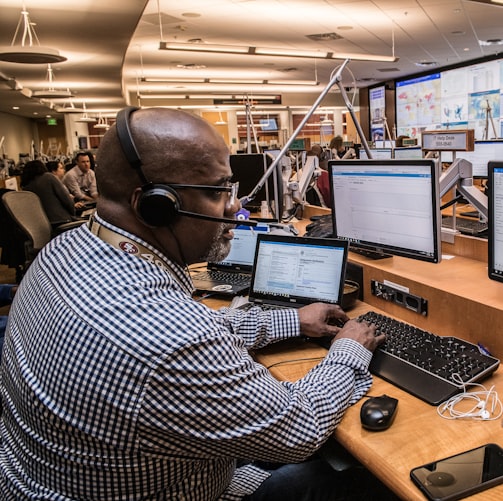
(19, 133)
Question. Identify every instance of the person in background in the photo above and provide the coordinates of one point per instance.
(117, 384)
(336, 147)
(56, 201)
(81, 179)
(56, 168)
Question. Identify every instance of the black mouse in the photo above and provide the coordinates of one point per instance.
(378, 413)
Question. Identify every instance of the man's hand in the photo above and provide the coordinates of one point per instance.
(320, 319)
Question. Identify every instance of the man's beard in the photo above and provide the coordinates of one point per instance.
(219, 248)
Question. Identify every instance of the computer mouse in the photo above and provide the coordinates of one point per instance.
(378, 413)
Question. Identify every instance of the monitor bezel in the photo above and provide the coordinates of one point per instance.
(491, 240)
(383, 249)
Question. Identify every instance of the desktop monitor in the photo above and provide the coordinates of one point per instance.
(268, 124)
(408, 153)
(495, 236)
(483, 153)
(387, 207)
(248, 169)
(377, 153)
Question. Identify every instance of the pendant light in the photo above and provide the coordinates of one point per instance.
(29, 51)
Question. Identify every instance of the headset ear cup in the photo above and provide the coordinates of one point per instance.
(158, 205)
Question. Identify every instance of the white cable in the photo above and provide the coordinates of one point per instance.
(487, 405)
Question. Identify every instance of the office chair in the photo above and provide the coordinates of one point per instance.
(27, 212)
(11, 240)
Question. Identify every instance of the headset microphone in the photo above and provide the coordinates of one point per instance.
(239, 222)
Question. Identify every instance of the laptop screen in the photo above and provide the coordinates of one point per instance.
(295, 271)
(242, 249)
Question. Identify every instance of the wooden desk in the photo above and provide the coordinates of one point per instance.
(463, 302)
(417, 436)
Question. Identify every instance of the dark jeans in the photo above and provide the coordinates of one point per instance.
(316, 480)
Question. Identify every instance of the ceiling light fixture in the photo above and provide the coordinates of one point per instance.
(51, 92)
(31, 53)
(102, 123)
(220, 120)
(85, 118)
(262, 51)
(227, 81)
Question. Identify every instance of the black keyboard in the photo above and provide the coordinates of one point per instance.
(422, 363)
(223, 276)
(466, 226)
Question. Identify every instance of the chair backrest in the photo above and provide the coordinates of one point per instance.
(27, 211)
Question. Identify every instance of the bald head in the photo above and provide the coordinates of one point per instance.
(173, 145)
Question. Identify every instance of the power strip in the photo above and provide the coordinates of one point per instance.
(400, 297)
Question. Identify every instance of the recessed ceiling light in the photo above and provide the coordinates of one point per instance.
(191, 14)
(344, 28)
(491, 41)
(324, 37)
(426, 64)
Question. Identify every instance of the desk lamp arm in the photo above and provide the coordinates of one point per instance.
(459, 174)
(335, 78)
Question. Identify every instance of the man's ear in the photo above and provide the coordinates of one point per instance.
(134, 201)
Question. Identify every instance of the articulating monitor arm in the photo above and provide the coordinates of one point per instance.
(459, 174)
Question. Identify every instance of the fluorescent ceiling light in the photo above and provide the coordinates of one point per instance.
(229, 81)
(236, 81)
(263, 51)
(185, 96)
(293, 82)
(225, 49)
(173, 80)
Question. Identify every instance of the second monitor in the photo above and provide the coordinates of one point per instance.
(387, 207)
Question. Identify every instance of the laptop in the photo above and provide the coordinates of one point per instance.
(232, 276)
(291, 271)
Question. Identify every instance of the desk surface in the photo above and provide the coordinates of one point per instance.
(418, 435)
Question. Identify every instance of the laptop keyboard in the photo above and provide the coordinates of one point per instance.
(423, 363)
(222, 276)
(467, 226)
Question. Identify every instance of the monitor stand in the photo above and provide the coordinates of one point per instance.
(372, 254)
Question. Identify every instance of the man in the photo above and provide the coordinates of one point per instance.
(118, 385)
(81, 180)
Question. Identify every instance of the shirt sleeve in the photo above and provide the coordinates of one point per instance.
(62, 194)
(211, 399)
(257, 327)
(93, 188)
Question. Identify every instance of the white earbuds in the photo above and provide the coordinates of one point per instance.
(488, 406)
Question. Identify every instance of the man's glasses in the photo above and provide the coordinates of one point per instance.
(230, 188)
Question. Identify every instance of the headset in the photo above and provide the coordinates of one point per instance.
(159, 204)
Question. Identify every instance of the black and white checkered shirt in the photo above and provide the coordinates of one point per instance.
(117, 385)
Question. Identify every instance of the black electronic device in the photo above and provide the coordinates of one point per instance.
(495, 212)
(431, 367)
(159, 204)
(378, 413)
(460, 475)
(248, 169)
(387, 207)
